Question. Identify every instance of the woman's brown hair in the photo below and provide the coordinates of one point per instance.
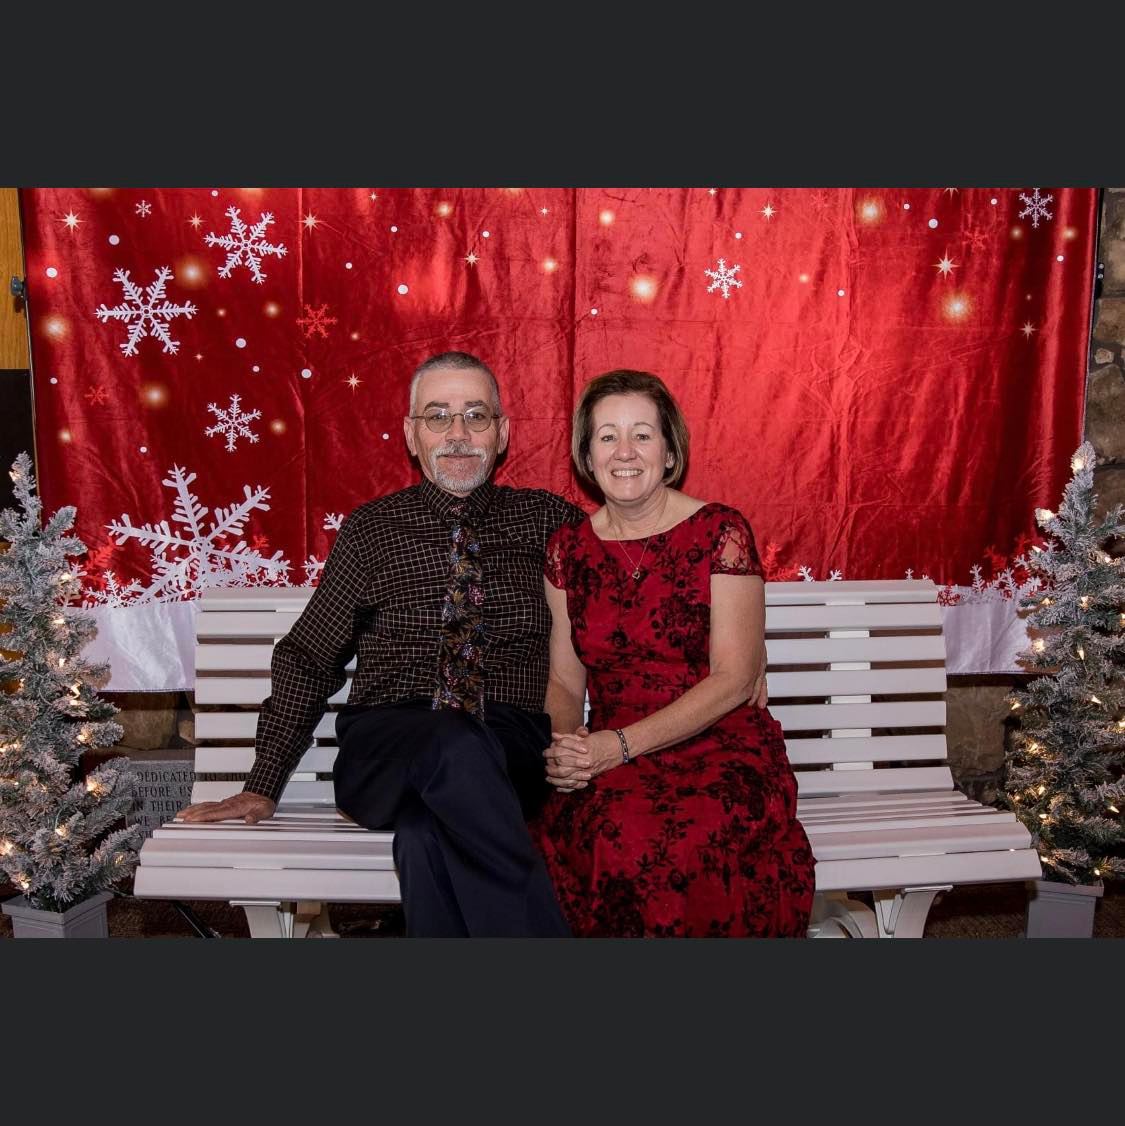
(624, 381)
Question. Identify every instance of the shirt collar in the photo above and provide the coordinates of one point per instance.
(449, 507)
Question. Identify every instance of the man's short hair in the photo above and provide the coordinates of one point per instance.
(458, 361)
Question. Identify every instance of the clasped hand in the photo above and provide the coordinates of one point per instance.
(572, 760)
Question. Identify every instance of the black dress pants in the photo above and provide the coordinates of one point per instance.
(457, 793)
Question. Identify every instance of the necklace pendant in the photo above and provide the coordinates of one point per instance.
(637, 575)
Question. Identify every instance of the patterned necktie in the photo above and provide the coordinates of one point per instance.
(460, 667)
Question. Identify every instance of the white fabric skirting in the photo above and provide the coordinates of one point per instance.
(151, 648)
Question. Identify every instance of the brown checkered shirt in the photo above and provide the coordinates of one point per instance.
(380, 598)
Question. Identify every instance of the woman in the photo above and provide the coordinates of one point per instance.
(675, 812)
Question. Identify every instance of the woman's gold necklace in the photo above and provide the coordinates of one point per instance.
(637, 566)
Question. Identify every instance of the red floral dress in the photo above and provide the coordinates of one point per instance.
(698, 839)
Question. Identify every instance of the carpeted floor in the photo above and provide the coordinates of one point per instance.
(973, 911)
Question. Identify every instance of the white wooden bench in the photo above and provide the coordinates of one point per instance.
(856, 679)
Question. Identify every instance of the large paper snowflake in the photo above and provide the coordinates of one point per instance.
(198, 556)
(148, 312)
(113, 593)
(1036, 207)
(313, 568)
(245, 245)
(724, 278)
(232, 422)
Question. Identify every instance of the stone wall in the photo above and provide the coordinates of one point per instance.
(1105, 393)
(153, 721)
(978, 714)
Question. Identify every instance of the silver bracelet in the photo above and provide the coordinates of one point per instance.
(624, 745)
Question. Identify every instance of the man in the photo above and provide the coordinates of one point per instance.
(438, 592)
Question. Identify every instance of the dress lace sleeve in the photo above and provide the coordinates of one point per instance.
(733, 551)
(554, 563)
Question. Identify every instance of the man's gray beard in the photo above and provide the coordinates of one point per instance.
(459, 484)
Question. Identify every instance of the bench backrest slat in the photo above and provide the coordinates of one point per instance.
(252, 690)
(857, 675)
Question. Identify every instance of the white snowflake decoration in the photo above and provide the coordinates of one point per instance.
(188, 561)
(233, 422)
(143, 209)
(114, 594)
(245, 242)
(909, 574)
(1036, 207)
(805, 574)
(332, 521)
(1003, 588)
(148, 312)
(724, 279)
(313, 567)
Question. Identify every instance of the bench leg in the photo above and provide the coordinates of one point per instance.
(902, 914)
(267, 918)
(274, 918)
(834, 915)
(312, 921)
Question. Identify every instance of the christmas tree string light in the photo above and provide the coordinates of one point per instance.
(1064, 773)
(62, 838)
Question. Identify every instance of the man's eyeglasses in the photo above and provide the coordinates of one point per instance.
(439, 420)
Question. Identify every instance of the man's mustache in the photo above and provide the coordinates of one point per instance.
(458, 449)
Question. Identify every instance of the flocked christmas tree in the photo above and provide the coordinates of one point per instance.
(61, 836)
(1064, 779)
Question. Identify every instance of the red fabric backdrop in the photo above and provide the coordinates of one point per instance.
(881, 379)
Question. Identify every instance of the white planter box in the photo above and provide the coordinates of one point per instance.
(84, 920)
(1061, 910)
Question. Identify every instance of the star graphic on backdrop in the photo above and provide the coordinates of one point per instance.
(544, 211)
(471, 258)
(769, 212)
(951, 191)
(199, 355)
(310, 221)
(71, 220)
(1027, 330)
(196, 221)
(373, 197)
(945, 265)
(143, 209)
(712, 191)
(353, 382)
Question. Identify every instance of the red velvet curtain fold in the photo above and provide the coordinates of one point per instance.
(883, 380)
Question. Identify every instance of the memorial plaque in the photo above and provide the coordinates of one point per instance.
(163, 789)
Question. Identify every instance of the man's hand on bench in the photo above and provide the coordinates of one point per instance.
(251, 807)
